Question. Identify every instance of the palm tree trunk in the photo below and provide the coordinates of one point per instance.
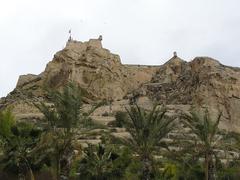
(58, 168)
(146, 168)
(206, 166)
(29, 169)
(211, 169)
(21, 175)
(31, 174)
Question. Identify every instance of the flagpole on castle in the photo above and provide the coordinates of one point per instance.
(70, 35)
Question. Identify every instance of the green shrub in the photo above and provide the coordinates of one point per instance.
(6, 122)
(120, 118)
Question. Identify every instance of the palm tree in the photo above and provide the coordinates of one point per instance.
(62, 120)
(234, 145)
(206, 138)
(147, 129)
(97, 163)
(65, 120)
(18, 142)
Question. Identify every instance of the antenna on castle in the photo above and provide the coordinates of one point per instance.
(70, 35)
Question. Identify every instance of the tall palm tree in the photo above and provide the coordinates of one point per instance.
(207, 138)
(62, 120)
(147, 129)
(65, 120)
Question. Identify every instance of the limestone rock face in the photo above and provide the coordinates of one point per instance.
(24, 79)
(95, 69)
(202, 82)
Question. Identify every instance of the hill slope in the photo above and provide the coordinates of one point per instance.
(203, 82)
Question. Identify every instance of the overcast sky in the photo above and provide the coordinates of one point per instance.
(140, 31)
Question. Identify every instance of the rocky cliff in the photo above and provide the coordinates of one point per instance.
(202, 82)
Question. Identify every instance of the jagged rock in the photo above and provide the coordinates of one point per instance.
(24, 79)
(98, 71)
(94, 69)
(202, 82)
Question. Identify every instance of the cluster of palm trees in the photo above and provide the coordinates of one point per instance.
(26, 148)
(204, 139)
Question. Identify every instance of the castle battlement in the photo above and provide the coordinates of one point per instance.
(81, 46)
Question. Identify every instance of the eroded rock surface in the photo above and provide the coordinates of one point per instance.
(95, 69)
(202, 82)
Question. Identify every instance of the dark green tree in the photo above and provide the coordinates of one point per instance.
(65, 120)
(7, 120)
(120, 117)
(98, 163)
(207, 138)
(19, 141)
(147, 130)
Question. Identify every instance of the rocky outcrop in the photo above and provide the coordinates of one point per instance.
(202, 82)
(97, 71)
(94, 68)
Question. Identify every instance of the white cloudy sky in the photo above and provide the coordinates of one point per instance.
(141, 31)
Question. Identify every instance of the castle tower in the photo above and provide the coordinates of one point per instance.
(70, 35)
(100, 38)
(174, 54)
